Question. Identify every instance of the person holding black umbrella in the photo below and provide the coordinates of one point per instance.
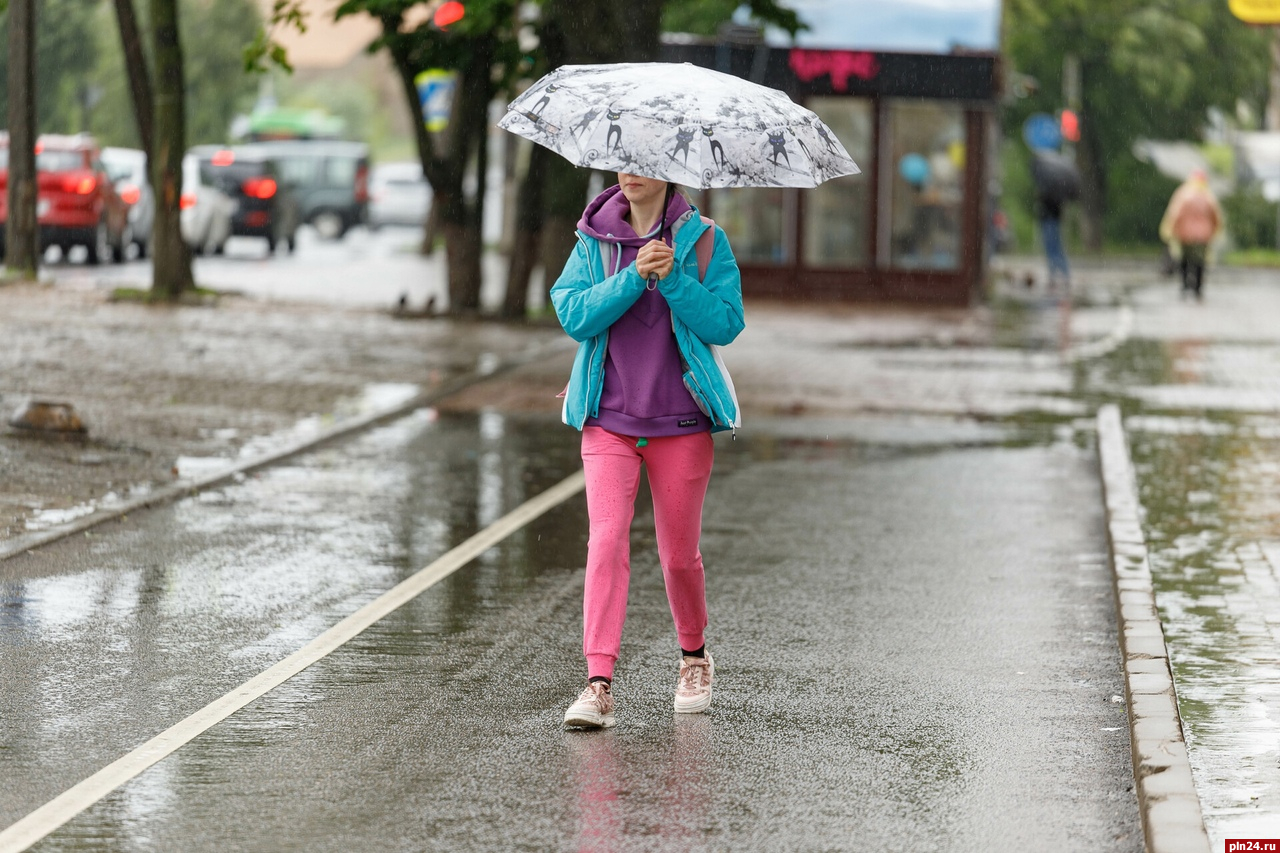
(1057, 181)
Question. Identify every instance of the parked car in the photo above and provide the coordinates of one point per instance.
(206, 211)
(398, 195)
(265, 206)
(128, 169)
(76, 201)
(330, 179)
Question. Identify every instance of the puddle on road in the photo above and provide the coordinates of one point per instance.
(1212, 501)
(1032, 324)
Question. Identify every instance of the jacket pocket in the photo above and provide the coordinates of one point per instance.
(691, 385)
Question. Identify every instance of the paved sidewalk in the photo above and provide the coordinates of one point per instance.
(1199, 385)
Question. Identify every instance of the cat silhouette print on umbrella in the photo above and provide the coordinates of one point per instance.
(678, 122)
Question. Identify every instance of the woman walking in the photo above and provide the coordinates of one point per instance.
(1191, 222)
(647, 293)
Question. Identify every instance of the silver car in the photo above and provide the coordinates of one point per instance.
(206, 210)
(127, 168)
(398, 195)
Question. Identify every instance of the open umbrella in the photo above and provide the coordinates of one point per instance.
(678, 122)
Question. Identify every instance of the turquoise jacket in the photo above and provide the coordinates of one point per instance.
(705, 314)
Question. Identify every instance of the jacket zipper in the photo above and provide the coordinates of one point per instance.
(684, 364)
(602, 337)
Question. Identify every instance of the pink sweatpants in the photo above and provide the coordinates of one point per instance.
(679, 468)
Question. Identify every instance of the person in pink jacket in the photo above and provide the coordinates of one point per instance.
(1191, 222)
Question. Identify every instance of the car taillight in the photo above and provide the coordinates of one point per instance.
(130, 194)
(362, 185)
(259, 188)
(80, 184)
(187, 200)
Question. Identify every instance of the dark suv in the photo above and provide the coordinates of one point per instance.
(264, 205)
(330, 179)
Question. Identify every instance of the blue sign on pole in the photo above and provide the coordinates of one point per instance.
(1041, 132)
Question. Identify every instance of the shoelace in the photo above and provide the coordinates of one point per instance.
(593, 692)
(694, 675)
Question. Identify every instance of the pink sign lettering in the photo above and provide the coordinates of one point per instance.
(809, 65)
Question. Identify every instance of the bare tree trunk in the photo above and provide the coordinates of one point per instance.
(525, 252)
(457, 218)
(642, 22)
(430, 229)
(470, 143)
(22, 231)
(135, 64)
(1271, 118)
(585, 32)
(1093, 189)
(172, 259)
(563, 200)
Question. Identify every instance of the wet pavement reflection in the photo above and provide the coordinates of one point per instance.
(892, 674)
(1213, 523)
(1201, 389)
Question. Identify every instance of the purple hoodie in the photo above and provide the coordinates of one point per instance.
(643, 393)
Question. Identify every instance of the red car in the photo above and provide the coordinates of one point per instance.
(77, 204)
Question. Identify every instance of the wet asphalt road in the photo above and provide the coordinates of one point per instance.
(913, 629)
(364, 269)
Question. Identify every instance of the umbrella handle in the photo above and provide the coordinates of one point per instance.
(662, 231)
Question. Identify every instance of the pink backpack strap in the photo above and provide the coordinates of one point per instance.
(704, 247)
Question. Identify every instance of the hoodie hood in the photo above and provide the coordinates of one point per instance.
(605, 218)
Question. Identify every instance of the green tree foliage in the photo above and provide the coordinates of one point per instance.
(65, 53)
(214, 35)
(1252, 220)
(1149, 68)
(704, 17)
(483, 48)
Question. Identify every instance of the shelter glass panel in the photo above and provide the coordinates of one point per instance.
(924, 170)
(753, 220)
(837, 212)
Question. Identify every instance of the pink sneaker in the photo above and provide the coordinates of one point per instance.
(693, 691)
(593, 709)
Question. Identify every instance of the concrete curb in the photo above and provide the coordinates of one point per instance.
(236, 471)
(1171, 818)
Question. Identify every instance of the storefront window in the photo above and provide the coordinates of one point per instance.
(837, 212)
(925, 143)
(753, 221)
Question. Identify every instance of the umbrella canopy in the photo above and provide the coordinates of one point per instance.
(678, 122)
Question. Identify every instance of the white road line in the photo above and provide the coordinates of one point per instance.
(70, 803)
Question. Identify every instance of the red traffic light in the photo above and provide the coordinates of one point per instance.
(449, 13)
(1070, 124)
